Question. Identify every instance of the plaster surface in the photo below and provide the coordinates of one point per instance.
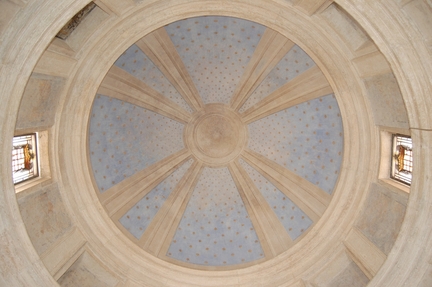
(216, 229)
(333, 35)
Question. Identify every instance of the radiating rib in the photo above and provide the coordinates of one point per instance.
(272, 234)
(162, 52)
(270, 50)
(160, 232)
(309, 85)
(307, 196)
(121, 85)
(131, 190)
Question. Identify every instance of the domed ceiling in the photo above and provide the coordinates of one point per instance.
(215, 143)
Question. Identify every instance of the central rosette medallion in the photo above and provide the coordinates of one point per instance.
(216, 135)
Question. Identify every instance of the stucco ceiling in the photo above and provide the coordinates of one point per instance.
(237, 164)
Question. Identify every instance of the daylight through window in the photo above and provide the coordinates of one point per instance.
(24, 158)
(402, 161)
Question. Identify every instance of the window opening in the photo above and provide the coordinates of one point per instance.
(24, 157)
(402, 160)
(70, 26)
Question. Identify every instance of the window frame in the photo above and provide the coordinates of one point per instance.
(403, 175)
(18, 157)
(385, 160)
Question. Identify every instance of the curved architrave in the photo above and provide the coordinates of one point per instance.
(416, 88)
(402, 46)
(115, 249)
(23, 42)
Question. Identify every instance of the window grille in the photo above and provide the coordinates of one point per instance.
(402, 160)
(24, 158)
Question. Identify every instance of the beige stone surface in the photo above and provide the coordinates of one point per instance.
(397, 32)
(87, 272)
(348, 30)
(121, 85)
(88, 26)
(54, 64)
(427, 277)
(419, 12)
(159, 234)
(162, 51)
(40, 102)
(372, 64)
(126, 194)
(271, 232)
(61, 47)
(309, 198)
(216, 135)
(63, 253)
(337, 263)
(311, 7)
(309, 85)
(384, 95)
(351, 276)
(8, 10)
(117, 7)
(45, 217)
(186, 276)
(271, 48)
(364, 253)
(381, 218)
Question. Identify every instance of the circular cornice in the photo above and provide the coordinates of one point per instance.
(36, 27)
(102, 235)
(399, 41)
(299, 147)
